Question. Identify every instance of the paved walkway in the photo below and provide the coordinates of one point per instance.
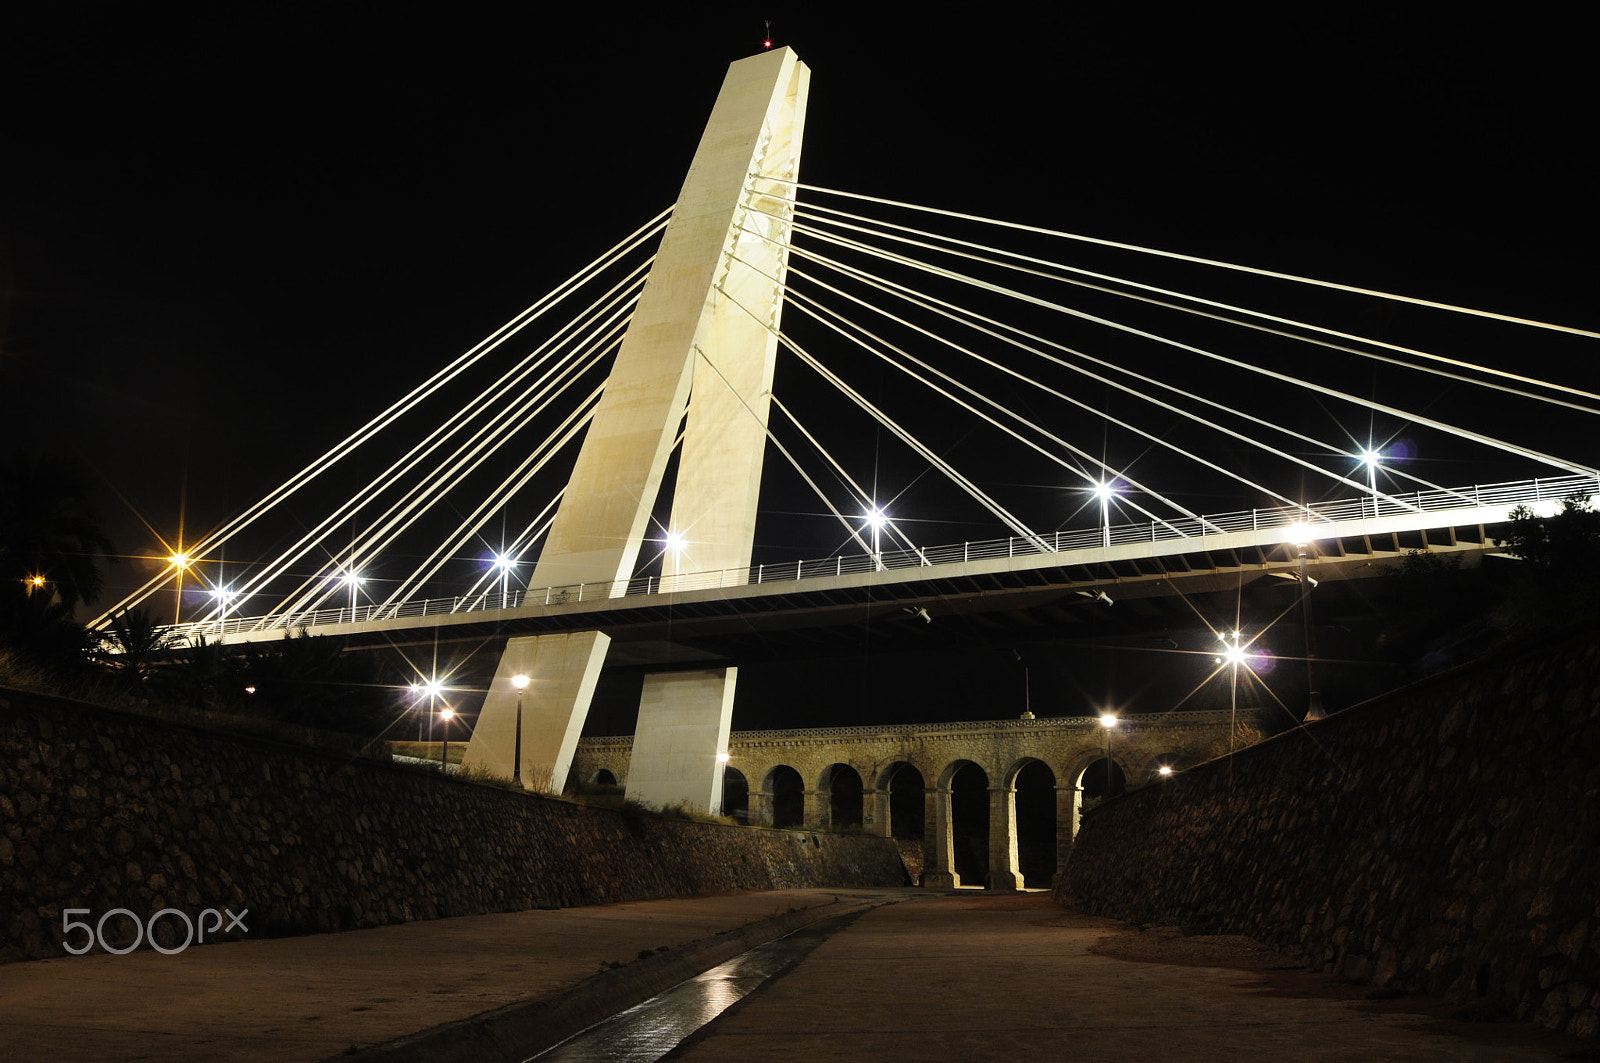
(1011, 978)
(306, 999)
(968, 975)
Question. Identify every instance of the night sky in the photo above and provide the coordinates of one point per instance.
(228, 236)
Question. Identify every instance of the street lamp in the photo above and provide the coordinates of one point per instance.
(1233, 655)
(223, 596)
(446, 714)
(1104, 490)
(433, 688)
(519, 681)
(351, 580)
(180, 561)
(876, 519)
(1108, 720)
(1370, 459)
(505, 563)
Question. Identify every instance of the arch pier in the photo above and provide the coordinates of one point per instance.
(999, 799)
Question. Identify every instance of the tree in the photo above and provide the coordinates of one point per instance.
(312, 681)
(1566, 544)
(50, 538)
(135, 647)
(1561, 553)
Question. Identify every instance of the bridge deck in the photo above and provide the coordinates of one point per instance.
(1133, 560)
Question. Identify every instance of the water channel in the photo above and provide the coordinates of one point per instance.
(646, 1032)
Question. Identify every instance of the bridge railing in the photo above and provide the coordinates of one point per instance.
(1516, 492)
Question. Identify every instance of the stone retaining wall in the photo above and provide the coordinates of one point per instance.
(102, 810)
(1443, 839)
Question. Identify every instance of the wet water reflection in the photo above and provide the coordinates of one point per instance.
(650, 1030)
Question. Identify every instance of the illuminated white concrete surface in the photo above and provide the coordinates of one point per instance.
(563, 670)
(702, 322)
(683, 724)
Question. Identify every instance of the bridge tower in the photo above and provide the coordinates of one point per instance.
(699, 353)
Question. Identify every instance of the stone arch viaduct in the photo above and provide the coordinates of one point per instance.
(797, 777)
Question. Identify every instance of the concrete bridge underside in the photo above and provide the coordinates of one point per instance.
(716, 624)
(1072, 750)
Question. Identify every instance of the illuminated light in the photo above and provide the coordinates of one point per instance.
(1300, 533)
(178, 560)
(1104, 490)
(447, 714)
(249, 690)
(34, 581)
(504, 562)
(1108, 720)
(1166, 769)
(767, 43)
(520, 681)
(675, 542)
(352, 579)
(876, 518)
(1371, 457)
(723, 758)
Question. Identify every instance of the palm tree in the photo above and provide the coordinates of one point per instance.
(50, 538)
(135, 647)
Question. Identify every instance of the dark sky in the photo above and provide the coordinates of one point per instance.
(229, 235)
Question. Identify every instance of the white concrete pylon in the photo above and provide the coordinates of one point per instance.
(684, 719)
(703, 321)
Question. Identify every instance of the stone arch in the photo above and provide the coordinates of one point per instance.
(846, 795)
(788, 796)
(1099, 777)
(968, 783)
(1034, 783)
(603, 777)
(906, 788)
(735, 794)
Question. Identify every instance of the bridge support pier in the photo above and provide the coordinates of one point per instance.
(939, 842)
(1069, 806)
(1069, 800)
(818, 808)
(1003, 839)
(562, 670)
(761, 808)
(683, 725)
(876, 809)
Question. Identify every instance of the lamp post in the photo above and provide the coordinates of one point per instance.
(519, 681)
(1232, 655)
(352, 581)
(1301, 536)
(505, 563)
(446, 714)
(1108, 721)
(876, 519)
(223, 596)
(722, 800)
(1104, 490)
(179, 561)
(1370, 459)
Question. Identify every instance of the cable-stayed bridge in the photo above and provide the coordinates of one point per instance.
(1062, 427)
